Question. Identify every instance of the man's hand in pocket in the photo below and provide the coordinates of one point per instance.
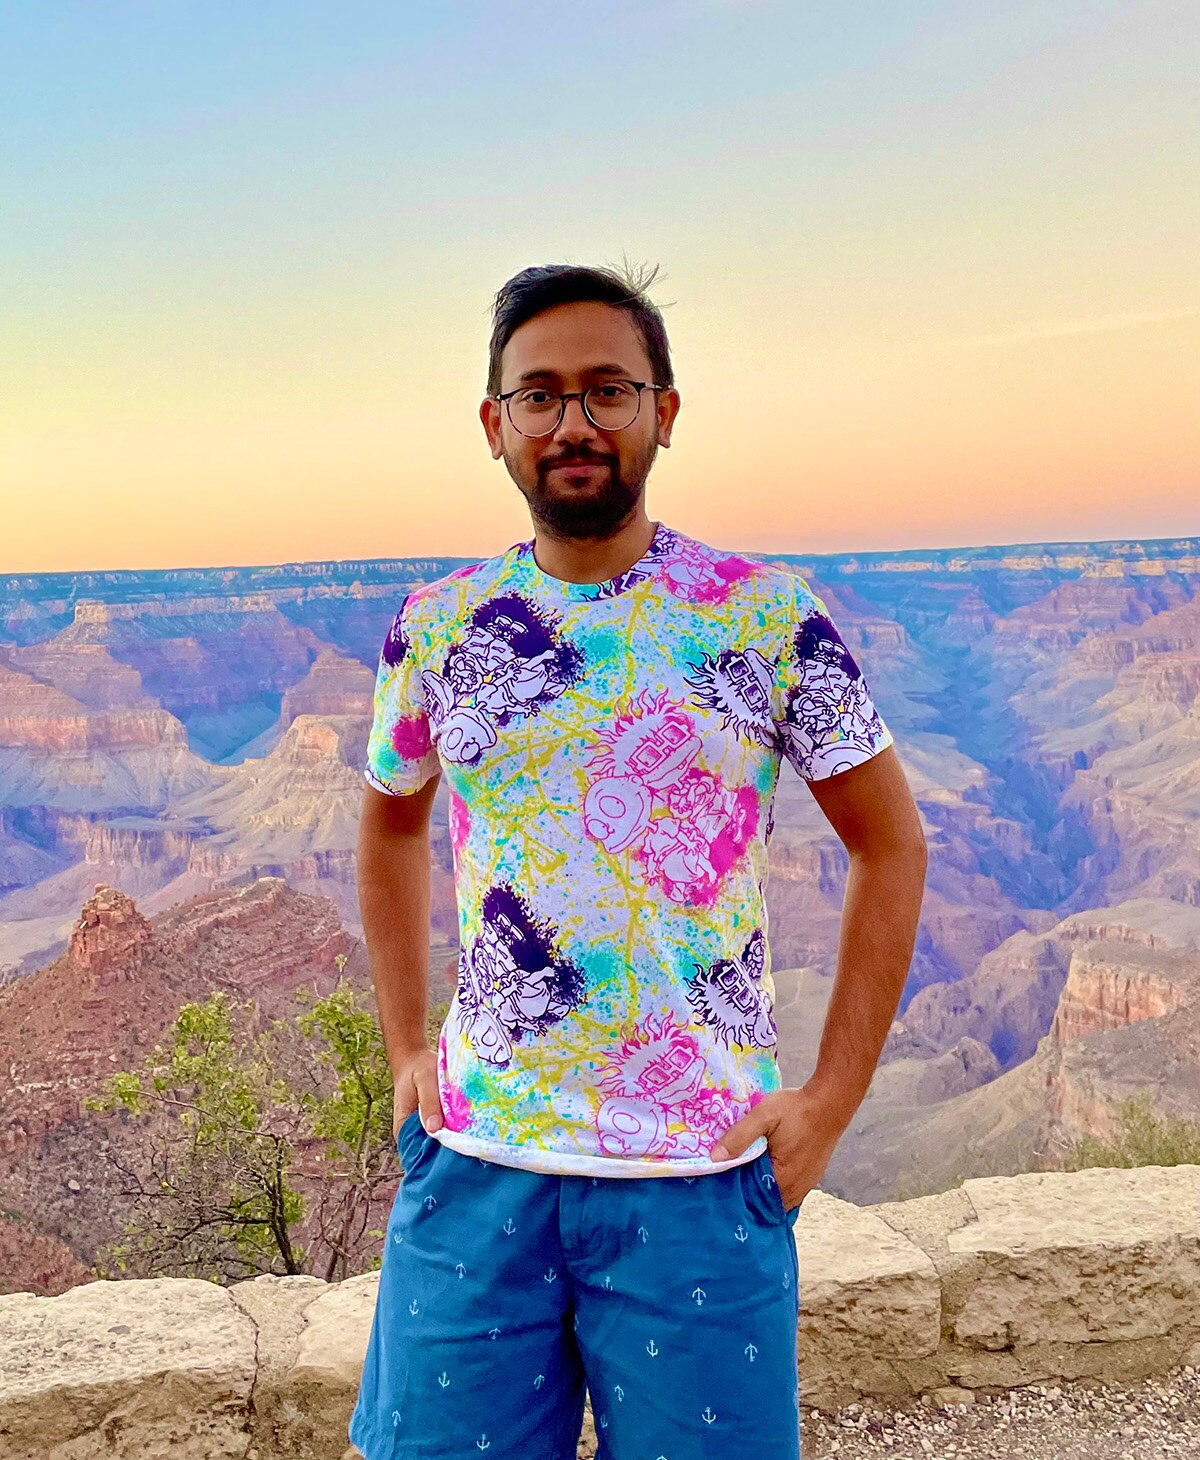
(416, 1087)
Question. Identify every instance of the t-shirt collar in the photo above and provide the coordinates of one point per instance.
(647, 567)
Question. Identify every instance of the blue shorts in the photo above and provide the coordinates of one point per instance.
(504, 1292)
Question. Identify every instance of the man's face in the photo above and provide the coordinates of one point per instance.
(579, 481)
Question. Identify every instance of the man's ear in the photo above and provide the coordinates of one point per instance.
(489, 414)
(669, 402)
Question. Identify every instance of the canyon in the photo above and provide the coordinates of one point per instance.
(181, 762)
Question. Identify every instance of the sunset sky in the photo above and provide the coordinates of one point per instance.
(929, 270)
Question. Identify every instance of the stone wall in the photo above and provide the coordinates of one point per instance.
(1000, 1282)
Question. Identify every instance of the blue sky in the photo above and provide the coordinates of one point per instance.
(249, 254)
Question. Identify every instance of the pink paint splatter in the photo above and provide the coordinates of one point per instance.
(696, 575)
(734, 568)
(734, 837)
(460, 821)
(456, 1108)
(410, 736)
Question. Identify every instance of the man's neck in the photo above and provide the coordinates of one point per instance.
(593, 560)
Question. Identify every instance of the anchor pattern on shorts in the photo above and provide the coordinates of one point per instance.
(640, 1246)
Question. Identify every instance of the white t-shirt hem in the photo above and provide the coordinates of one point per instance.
(570, 1163)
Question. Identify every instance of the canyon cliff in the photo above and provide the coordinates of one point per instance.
(183, 735)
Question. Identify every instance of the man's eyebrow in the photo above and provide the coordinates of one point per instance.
(543, 374)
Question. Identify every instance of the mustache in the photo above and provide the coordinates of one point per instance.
(589, 460)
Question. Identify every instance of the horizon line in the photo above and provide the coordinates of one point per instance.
(1044, 543)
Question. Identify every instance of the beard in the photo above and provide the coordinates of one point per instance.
(596, 510)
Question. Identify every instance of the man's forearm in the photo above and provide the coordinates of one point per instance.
(880, 912)
(393, 896)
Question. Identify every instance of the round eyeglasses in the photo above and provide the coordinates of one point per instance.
(610, 406)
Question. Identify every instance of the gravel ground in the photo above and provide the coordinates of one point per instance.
(1158, 1419)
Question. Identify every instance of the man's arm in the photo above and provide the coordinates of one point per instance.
(873, 812)
(394, 897)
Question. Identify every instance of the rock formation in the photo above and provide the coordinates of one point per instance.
(1110, 987)
(111, 938)
(334, 685)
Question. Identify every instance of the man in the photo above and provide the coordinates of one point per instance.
(601, 1167)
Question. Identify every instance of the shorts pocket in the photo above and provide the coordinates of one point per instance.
(760, 1190)
(408, 1137)
(772, 1182)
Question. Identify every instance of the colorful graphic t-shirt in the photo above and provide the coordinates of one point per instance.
(611, 752)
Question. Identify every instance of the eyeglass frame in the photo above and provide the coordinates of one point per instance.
(565, 395)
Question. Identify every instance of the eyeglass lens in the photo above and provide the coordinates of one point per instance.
(612, 406)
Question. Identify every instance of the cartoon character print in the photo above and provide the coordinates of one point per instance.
(508, 664)
(738, 683)
(655, 1103)
(698, 575)
(645, 793)
(687, 569)
(729, 997)
(830, 721)
(511, 981)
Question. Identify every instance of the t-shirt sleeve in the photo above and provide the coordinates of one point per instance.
(825, 718)
(400, 754)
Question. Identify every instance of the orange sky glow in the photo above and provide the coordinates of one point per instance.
(927, 284)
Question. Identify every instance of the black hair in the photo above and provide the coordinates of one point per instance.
(542, 286)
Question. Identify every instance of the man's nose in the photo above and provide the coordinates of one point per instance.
(574, 425)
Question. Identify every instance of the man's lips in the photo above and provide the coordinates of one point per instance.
(580, 466)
